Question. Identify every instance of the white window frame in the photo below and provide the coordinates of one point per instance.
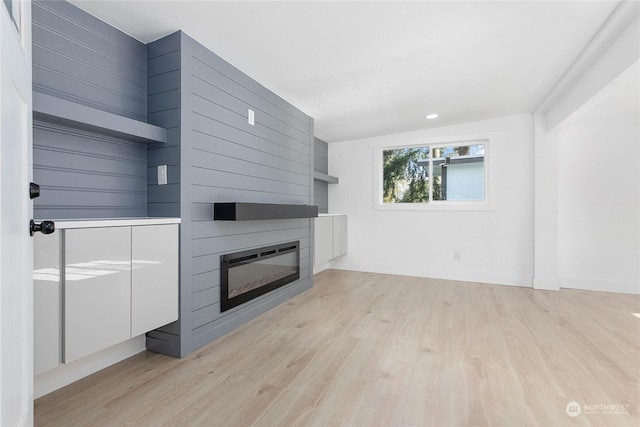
(488, 140)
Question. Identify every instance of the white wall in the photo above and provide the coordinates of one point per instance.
(495, 245)
(617, 46)
(587, 149)
(545, 275)
(599, 193)
(564, 187)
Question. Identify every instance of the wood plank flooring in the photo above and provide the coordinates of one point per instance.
(363, 349)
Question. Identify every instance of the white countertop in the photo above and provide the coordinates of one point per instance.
(62, 224)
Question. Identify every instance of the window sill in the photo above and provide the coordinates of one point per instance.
(435, 206)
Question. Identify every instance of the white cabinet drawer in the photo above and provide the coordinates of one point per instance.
(97, 290)
(117, 283)
(339, 235)
(47, 303)
(154, 277)
(330, 238)
(323, 235)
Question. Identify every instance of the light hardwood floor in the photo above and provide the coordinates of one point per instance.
(370, 349)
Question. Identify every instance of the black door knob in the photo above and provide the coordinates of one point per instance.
(45, 227)
(34, 190)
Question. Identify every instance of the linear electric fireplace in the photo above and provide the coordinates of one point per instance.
(248, 274)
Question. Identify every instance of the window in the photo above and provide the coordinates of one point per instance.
(433, 174)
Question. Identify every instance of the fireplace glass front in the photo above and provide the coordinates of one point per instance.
(248, 274)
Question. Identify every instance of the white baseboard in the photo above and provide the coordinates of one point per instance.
(320, 267)
(447, 274)
(66, 374)
(601, 285)
(546, 283)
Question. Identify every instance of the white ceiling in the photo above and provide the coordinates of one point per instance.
(368, 68)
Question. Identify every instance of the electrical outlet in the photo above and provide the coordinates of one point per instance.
(162, 175)
(456, 255)
(251, 117)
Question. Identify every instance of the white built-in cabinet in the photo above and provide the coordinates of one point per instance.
(154, 261)
(47, 302)
(330, 234)
(339, 235)
(97, 290)
(323, 236)
(116, 283)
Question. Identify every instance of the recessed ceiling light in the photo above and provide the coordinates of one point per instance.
(431, 116)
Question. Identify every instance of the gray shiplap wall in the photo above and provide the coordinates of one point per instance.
(321, 156)
(212, 155)
(79, 58)
(223, 159)
(163, 109)
(321, 164)
(85, 175)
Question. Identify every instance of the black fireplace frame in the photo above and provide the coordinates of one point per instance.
(236, 259)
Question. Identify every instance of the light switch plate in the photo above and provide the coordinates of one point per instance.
(162, 174)
(251, 117)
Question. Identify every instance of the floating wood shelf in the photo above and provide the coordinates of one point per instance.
(60, 111)
(234, 211)
(319, 176)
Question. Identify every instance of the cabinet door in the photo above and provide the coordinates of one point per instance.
(47, 303)
(323, 235)
(97, 290)
(339, 235)
(154, 277)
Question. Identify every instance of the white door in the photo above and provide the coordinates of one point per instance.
(16, 248)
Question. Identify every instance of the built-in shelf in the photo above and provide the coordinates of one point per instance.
(319, 176)
(50, 109)
(236, 211)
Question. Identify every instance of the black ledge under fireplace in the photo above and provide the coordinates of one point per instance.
(248, 274)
